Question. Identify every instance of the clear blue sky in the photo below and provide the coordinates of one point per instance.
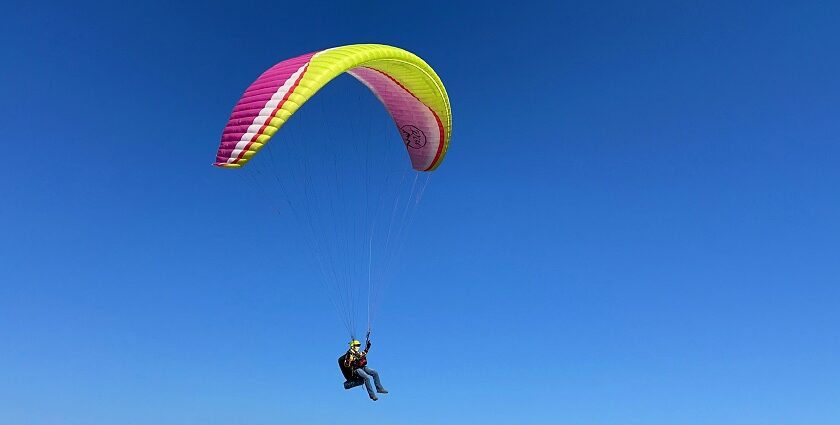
(637, 222)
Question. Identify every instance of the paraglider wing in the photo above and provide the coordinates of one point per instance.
(407, 86)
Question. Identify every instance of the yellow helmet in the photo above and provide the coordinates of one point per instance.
(355, 343)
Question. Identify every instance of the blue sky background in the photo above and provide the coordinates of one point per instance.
(637, 222)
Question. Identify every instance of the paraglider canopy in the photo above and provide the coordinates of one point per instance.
(411, 91)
